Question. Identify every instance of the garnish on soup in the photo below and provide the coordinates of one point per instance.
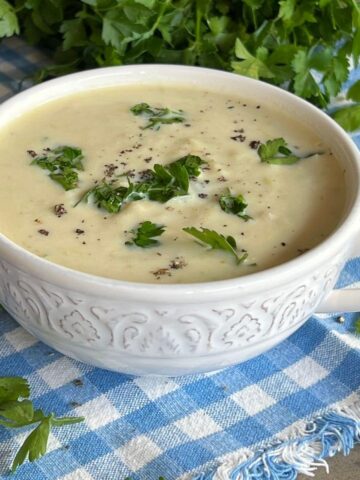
(277, 152)
(144, 234)
(160, 184)
(204, 174)
(157, 116)
(234, 204)
(63, 163)
(217, 241)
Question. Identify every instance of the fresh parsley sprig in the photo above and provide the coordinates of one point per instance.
(63, 163)
(173, 180)
(277, 152)
(144, 234)
(306, 47)
(217, 241)
(157, 116)
(17, 411)
(111, 198)
(234, 204)
(162, 183)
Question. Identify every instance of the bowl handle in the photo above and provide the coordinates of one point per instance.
(344, 300)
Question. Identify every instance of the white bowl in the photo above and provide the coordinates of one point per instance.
(179, 329)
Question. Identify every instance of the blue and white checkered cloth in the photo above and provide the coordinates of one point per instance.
(268, 418)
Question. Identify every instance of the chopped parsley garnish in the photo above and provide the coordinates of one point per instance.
(234, 204)
(172, 180)
(217, 241)
(162, 183)
(191, 163)
(17, 411)
(145, 233)
(62, 163)
(277, 152)
(157, 116)
(111, 198)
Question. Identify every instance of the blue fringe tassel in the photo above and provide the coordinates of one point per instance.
(329, 433)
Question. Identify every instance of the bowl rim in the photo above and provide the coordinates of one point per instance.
(40, 267)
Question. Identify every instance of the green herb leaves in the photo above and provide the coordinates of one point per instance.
(304, 46)
(234, 204)
(111, 198)
(157, 116)
(173, 180)
(8, 20)
(162, 183)
(277, 152)
(145, 233)
(348, 117)
(217, 241)
(62, 163)
(17, 411)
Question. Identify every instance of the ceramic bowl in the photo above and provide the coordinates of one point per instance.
(147, 329)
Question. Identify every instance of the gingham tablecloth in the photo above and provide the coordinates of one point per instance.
(269, 418)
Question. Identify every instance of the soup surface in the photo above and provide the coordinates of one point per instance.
(229, 180)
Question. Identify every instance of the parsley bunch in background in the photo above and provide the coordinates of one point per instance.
(303, 46)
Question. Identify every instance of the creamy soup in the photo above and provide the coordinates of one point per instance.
(78, 216)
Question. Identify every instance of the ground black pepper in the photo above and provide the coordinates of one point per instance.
(60, 210)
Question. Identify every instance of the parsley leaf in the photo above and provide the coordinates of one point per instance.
(163, 183)
(191, 163)
(348, 117)
(277, 152)
(157, 116)
(144, 234)
(306, 47)
(354, 92)
(111, 198)
(8, 20)
(217, 241)
(17, 411)
(11, 388)
(234, 204)
(62, 163)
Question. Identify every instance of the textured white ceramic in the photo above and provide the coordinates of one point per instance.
(179, 329)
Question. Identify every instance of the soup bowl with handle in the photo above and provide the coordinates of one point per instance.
(148, 329)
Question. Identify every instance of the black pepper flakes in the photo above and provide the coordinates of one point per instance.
(254, 144)
(32, 153)
(79, 231)
(177, 263)
(202, 195)
(161, 271)
(44, 232)
(110, 169)
(60, 210)
(239, 138)
(147, 159)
